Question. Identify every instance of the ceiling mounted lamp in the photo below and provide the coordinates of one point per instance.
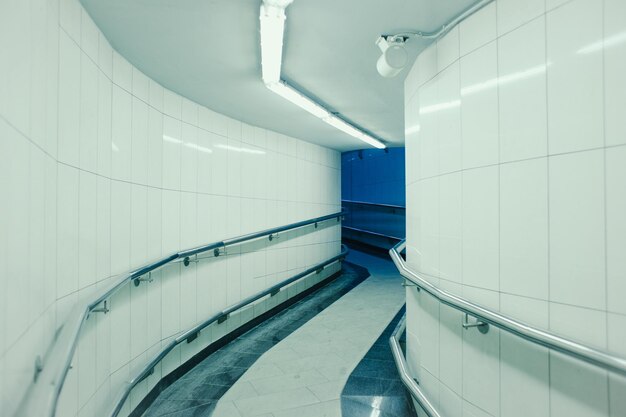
(394, 57)
(272, 17)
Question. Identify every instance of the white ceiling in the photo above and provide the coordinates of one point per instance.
(208, 51)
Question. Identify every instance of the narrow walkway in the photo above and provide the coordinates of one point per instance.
(304, 374)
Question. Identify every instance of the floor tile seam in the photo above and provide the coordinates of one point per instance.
(327, 311)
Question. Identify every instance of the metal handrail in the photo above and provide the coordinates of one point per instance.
(369, 232)
(403, 370)
(191, 333)
(42, 396)
(589, 354)
(365, 203)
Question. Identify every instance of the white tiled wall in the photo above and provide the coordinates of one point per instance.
(103, 170)
(515, 155)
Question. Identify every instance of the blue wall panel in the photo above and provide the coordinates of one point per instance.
(374, 176)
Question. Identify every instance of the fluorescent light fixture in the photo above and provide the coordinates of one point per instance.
(298, 99)
(272, 29)
(272, 18)
(345, 127)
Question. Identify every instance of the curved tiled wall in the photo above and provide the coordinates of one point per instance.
(516, 149)
(103, 170)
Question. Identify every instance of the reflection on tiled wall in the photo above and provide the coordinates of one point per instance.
(374, 176)
(516, 194)
(103, 170)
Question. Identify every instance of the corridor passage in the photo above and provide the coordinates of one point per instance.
(297, 363)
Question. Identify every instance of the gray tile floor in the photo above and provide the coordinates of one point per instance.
(198, 391)
(297, 362)
(304, 375)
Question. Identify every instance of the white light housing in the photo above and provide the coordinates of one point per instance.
(394, 57)
(298, 99)
(345, 127)
(272, 28)
(272, 18)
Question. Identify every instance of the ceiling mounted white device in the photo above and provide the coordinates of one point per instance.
(394, 57)
(272, 17)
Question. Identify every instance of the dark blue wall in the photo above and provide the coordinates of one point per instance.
(373, 176)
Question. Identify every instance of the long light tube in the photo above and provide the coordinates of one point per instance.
(345, 127)
(289, 93)
(272, 28)
(272, 18)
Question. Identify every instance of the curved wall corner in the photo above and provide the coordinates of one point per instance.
(103, 170)
(516, 156)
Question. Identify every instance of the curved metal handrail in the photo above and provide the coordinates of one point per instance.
(526, 331)
(403, 370)
(365, 203)
(43, 394)
(369, 232)
(146, 370)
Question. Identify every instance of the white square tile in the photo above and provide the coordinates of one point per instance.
(171, 221)
(155, 148)
(155, 201)
(139, 142)
(87, 230)
(121, 141)
(527, 310)
(522, 92)
(189, 112)
(104, 126)
(105, 56)
(478, 29)
(69, 100)
(450, 223)
(90, 36)
(119, 305)
(616, 335)
(70, 18)
(451, 348)
(122, 72)
(428, 138)
(103, 228)
(120, 226)
(524, 228)
(429, 239)
(577, 389)
(616, 228)
(448, 49)
(577, 270)
(614, 68)
(481, 369)
(189, 158)
(578, 323)
(88, 130)
(479, 107)
(448, 111)
(480, 228)
(67, 230)
(512, 13)
(156, 95)
(172, 104)
(138, 226)
(172, 142)
(426, 64)
(524, 377)
(576, 119)
(141, 86)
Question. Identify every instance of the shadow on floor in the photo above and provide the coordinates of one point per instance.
(374, 388)
(197, 392)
